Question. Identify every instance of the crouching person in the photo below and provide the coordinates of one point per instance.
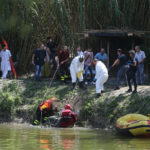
(67, 119)
(101, 76)
(76, 70)
(45, 109)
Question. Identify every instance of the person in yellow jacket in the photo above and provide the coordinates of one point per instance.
(76, 70)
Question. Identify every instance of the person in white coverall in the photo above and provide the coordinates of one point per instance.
(76, 70)
(5, 56)
(101, 76)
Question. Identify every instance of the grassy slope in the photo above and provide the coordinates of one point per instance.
(19, 99)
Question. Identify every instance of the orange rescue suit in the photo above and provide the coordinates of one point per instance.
(46, 105)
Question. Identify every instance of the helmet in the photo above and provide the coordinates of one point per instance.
(53, 98)
(68, 106)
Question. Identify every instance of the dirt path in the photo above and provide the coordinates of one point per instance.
(142, 90)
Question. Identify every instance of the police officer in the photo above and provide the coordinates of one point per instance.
(131, 73)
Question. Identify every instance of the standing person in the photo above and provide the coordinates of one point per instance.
(140, 56)
(88, 55)
(76, 70)
(46, 67)
(131, 73)
(101, 76)
(102, 56)
(63, 60)
(123, 61)
(5, 56)
(52, 46)
(3, 41)
(79, 51)
(38, 59)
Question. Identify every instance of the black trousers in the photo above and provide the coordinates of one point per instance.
(40, 115)
(131, 75)
(64, 72)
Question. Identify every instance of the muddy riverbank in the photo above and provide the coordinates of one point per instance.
(19, 100)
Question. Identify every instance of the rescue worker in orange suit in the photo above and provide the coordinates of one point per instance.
(68, 118)
(63, 59)
(45, 109)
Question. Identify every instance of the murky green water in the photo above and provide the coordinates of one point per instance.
(17, 137)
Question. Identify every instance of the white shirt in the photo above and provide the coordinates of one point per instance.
(76, 64)
(5, 57)
(140, 56)
(100, 69)
(80, 53)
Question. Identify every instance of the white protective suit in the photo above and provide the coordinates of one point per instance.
(101, 76)
(75, 67)
(5, 62)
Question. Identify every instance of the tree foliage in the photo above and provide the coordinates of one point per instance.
(26, 23)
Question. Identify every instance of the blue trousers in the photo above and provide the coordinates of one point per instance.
(38, 72)
(122, 72)
(140, 74)
(90, 68)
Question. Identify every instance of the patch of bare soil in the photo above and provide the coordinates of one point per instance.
(142, 90)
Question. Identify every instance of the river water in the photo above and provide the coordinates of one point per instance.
(18, 137)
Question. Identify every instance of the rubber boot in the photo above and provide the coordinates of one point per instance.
(35, 123)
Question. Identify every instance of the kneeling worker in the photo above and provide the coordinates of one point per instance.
(45, 109)
(101, 76)
(68, 118)
(76, 70)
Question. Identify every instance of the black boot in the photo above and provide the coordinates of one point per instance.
(135, 90)
(130, 90)
(81, 85)
(73, 86)
(65, 81)
(117, 88)
(98, 95)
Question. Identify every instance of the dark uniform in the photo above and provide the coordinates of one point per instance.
(64, 71)
(39, 62)
(131, 74)
(52, 46)
(123, 68)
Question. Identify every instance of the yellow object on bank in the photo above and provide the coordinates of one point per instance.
(134, 124)
(46, 70)
(79, 74)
